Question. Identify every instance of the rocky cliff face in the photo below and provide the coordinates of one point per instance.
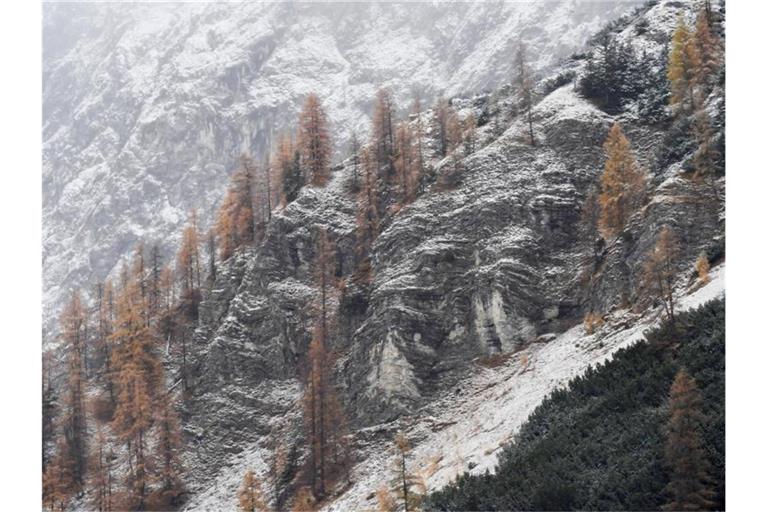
(492, 265)
(147, 107)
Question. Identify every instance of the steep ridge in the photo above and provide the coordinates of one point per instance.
(473, 313)
(489, 266)
(147, 107)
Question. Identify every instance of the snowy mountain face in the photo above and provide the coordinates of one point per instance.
(473, 311)
(147, 106)
(490, 267)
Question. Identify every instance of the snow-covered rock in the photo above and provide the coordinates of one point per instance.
(147, 106)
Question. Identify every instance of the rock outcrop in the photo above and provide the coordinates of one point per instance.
(485, 267)
(147, 107)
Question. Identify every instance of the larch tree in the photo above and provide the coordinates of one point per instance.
(104, 319)
(406, 168)
(58, 482)
(74, 420)
(694, 62)
(124, 274)
(383, 132)
(168, 320)
(323, 413)
(167, 289)
(418, 132)
(702, 268)
(269, 189)
(139, 275)
(455, 131)
(590, 217)
(138, 378)
(367, 216)
(448, 127)
(188, 262)
(133, 419)
(290, 179)
(525, 88)
(706, 153)
(210, 243)
(407, 486)
(235, 225)
(168, 450)
(156, 266)
(681, 69)
(709, 56)
(49, 405)
(314, 141)
(442, 112)
(622, 184)
(100, 464)
(183, 321)
(304, 501)
(658, 273)
(277, 466)
(690, 485)
(250, 496)
(354, 150)
(384, 500)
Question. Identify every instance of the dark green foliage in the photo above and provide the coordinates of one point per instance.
(678, 143)
(654, 90)
(557, 81)
(599, 444)
(613, 75)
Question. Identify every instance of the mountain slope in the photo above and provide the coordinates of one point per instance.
(466, 429)
(598, 443)
(488, 266)
(472, 311)
(147, 107)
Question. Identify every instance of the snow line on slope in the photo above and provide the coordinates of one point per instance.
(468, 428)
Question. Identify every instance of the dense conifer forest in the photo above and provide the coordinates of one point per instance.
(599, 444)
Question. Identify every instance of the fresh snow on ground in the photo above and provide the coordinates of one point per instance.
(466, 428)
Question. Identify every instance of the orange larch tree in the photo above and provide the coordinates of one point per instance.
(314, 141)
(622, 184)
(383, 133)
(100, 464)
(188, 261)
(139, 376)
(367, 214)
(690, 484)
(74, 420)
(323, 413)
(406, 163)
(658, 274)
(168, 450)
(250, 496)
(235, 224)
